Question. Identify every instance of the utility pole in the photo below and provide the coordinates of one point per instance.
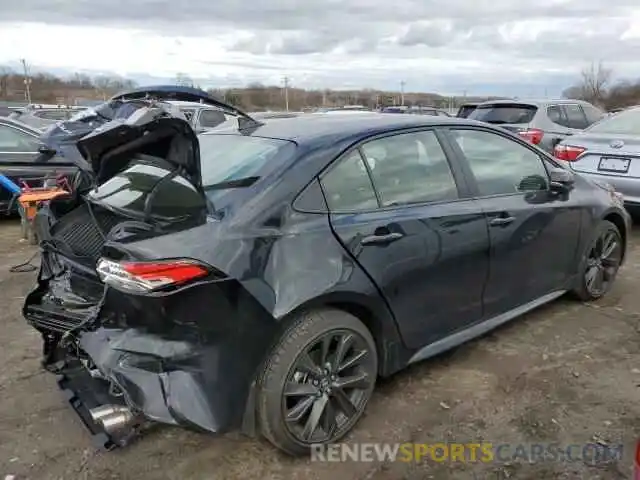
(402, 84)
(286, 93)
(27, 80)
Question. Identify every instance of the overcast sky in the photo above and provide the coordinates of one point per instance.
(448, 46)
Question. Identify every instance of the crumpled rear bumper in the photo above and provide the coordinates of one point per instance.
(206, 388)
(189, 360)
(168, 381)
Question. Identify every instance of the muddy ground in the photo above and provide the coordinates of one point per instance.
(568, 373)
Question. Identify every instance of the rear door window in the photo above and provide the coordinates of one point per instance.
(500, 165)
(575, 116)
(347, 186)
(504, 113)
(410, 168)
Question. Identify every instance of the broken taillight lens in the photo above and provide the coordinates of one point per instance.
(567, 153)
(144, 277)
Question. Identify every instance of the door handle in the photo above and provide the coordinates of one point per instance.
(383, 239)
(501, 221)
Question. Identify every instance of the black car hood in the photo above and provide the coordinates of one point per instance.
(101, 140)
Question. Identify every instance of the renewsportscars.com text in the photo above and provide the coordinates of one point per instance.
(590, 453)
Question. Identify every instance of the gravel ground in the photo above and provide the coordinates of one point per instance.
(567, 373)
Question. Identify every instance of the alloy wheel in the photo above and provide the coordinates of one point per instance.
(603, 262)
(328, 387)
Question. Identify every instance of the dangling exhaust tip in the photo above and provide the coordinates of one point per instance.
(97, 414)
(113, 418)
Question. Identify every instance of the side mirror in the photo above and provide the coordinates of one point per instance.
(45, 150)
(561, 180)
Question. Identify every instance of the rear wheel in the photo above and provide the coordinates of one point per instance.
(601, 263)
(317, 381)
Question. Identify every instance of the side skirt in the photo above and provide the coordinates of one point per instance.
(481, 328)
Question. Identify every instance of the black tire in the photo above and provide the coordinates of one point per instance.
(583, 291)
(284, 368)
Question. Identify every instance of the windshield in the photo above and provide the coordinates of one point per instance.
(626, 122)
(500, 113)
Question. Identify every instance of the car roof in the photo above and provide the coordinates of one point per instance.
(309, 129)
(534, 101)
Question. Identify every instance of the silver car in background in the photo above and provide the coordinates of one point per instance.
(608, 151)
(543, 122)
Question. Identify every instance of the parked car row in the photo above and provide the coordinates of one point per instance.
(263, 275)
(26, 160)
(41, 116)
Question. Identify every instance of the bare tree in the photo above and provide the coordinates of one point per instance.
(103, 85)
(595, 80)
(184, 80)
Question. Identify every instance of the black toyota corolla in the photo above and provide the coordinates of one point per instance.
(263, 276)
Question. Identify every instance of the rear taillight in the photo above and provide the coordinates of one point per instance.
(145, 277)
(636, 467)
(567, 152)
(532, 135)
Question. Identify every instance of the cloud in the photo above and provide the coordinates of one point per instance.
(430, 44)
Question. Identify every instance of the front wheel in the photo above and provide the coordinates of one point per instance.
(317, 381)
(600, 265)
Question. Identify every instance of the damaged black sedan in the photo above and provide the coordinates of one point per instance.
(263, 275)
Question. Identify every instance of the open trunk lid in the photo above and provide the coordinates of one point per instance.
(142, 120)
(143, 159)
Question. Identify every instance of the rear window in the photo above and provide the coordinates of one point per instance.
(502, 113)
(226, 158)
(626, 122)
(233, 158)
(128, 191)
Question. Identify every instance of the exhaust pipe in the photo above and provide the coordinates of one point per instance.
(113, 418)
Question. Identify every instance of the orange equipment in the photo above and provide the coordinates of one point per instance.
(31, 199)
